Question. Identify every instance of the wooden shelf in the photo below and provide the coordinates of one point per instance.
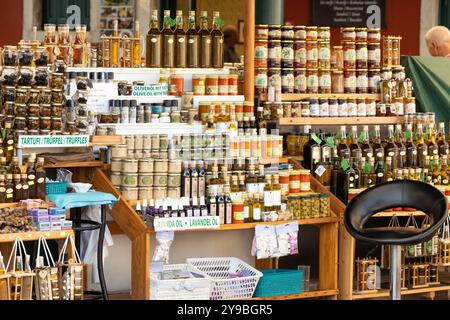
(385, 293)
(105, 141)
(335, 121)
(304, 295)
(90, 164)
(296, 97)
(8, 205)
(273, 161)
(34, 236)
(399, 214)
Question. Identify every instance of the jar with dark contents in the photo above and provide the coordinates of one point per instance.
(82, 123)
(9, 94)
(277, 110)
(261, 81)
(20, 123)
(274, 32)
(287, 80)
(58, 96)
(287, 54)
(381, 110)
(60, 66)
(34, 110)
(57, 80)
(83, 83)
(46, 110)
(262, 31)
(361, 55)
(26, 77)
(8, 108)
(46, 96)
(56, 124)
(10, 56)
(45, 123)
(82, 110)
(25, 56)
(287, 33)
(33, 123)
(20, 110)
(82, 97)
(361, 34)
(274, 75)
(41, 77)
(22, 95)
(34, 97)
(41, 57)
(348, 34)
(57, 110)
(10, 76)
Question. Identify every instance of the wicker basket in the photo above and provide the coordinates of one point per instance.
(232, 278)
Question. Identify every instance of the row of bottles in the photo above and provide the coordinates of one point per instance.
(177, 48)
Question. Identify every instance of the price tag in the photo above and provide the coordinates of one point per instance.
(344, 165)
(330, 141)
(362, 137)
(408, 134)
(367, 168)
(320, 171)
(316, 138)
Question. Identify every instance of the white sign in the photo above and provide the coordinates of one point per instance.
(189, 223)
(53, 141)
(156, 90)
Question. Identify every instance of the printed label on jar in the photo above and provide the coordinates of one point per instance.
(350, 55)
(399, 109)
(324, 54)
(350, 82)
(410, 108)
(252, 188)
(375, 55)
(312, 54)
(343, 110)
(213, 189)
(300, 56)
(325, 81)
(275, 53)
(371, 109)
(363, 82)
(300, 83)
(260, 81)
(256, 214)
(362, 110)
(287, 80)
(313, 81)
(380, 175)
(393, 109)
(287, 53)
(352, 109)
(334, 110)
(261, 52)
(305, 186)
(275, 80)
(374, 82)
(294, 184)
(362, 54)
(324, 110)
(314, 110)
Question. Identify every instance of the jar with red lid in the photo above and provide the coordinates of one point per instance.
(374, 35)
(349, 54)
(324, 33)
(287, 80)
(287, 33)
(350, 81)
(324, 54)
(261, 81)
(223, 84)
(287, 54)
(312, 76)
(324, 81)
(363, 81)
(300, 81)
(374, 81)
(261, 53)
(337, 58)
(374, 55)
(262, 31)
(337, 81)
(305, 181)
(275, 49)
(300, 33)
(312, 54)
(348, 34)
(300, 54)
(312, 33)
(361, 55)
(274, 32)
(233, 84)
(361, 34)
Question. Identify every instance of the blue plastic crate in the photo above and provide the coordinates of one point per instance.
(55, 188)
(279, 283)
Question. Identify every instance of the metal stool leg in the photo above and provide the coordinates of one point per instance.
(101, 238)
(395, 272)
(78, 233)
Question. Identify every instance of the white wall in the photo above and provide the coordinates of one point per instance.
(428, 19)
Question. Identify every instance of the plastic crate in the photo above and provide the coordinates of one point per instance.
(232, 279)
(182, 289)
(279, 282)
(55, 188)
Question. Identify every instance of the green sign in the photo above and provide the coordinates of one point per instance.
(189, 223)
(156, 90)
(53, 141)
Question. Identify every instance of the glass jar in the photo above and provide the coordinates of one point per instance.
(350, 81)
(410, 105)
(45, 123)
(296, 109)
(362, 107)
(274, 75)
(287, 109)
(262, 31)
(300, 81)
(275, 50)
(20, 123)
(374, 81)
(324, 81)
(348, 34)
(33, 123)
(46, 110)
(10, 56)
(22, 95)
(56, 124)
(274, 32)
(337, 58)
(337, 81)
(314, 107)
(261, 53)
(334, 107)
(8, 94)
(33, 110)
(287, 33)
(287, 54)
(312, 33)
(381, 110)
(20, 110)
(324, 107)
(387, 52)
(45, 96)
(361, 55)
(300, 54)
(399, 106)
(287, 80)
(71, 127)
(312, 76)
(25, 77)
(276, 110)
(352, 107)
(300, 33)
(8, 108)
(396, 51)
(10, 75)
(361, 34)
(374, 55)
(57, 110)
(57, 80)
(324, 48)
(41, 77)
(343, 108)
(306, 111)
(82, 123)
(312, 55)
(57, 96)
(363, 81)
(324, 33)
(41, 58)
(349, 48)
(371, 107)
(374, 35)
(35, 96)
(25, 56)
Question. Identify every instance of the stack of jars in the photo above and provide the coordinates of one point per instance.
(391, 51)
(258, 147)
(209, 85)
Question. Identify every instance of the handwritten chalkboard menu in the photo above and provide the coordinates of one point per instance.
(349, 13)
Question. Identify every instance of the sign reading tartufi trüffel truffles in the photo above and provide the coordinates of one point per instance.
(53, 141)
(156, 90)
(189, 223)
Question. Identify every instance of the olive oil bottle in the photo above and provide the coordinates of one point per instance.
(180, 42)
(443, 146)
(168, 42)
(205, 42)
(192, 44)
(153, 52)
(217, 42)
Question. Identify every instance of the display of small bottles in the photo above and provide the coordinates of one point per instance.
(173, 47)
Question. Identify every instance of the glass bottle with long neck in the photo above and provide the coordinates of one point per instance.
(153, 50)
(372, 175)
(433, 148)
(325, 148)
(25, 186)
(276, 193)
(422, 148)
(268, 203)
(8, 142)
(443, 146)
(399, 141)
(205, 42)
(217, 42)
(390, 149)
(334, 175)
(31, 177)
(115, 46)
(17, 188)
(355, 150)
(9, 186)
(444, 170)
(193, 43)
(180, 41)
(366, 148)
(137, 45)
(389, 174)
(411, 149)
(436, 171)
(2, 190)
(364, 173)
(377, 145)
(380, 172)
(168, 42)
(311, 153)
(343, 149)
(358, 174)
(40, 179)
(78, 47)
(15, 168)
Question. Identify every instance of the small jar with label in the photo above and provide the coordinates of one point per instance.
(56, 124)
(305, 109)
(348, 34)
(287, 54)
(33, 123)
(381, 110)
(20, 110)
(274, 75)
(324, 81)
(362, 107)
(261, 53)
(25, 76)
(46, 96)
(337, 81)
(45, 123)
(314, 107)
(300, 81)
(363, 81)
(296, 109)
(391, 110)
(312, 54)
(8, 108)
(287, 33)
(33, 110)
(275, 49)
(212, 85)
(324, 33)
(349, 54)
(361, 34)
(374, 35)
(337, 58)
(410, 105)
(276, 110)
(399, 106)
(371, 107)
(262, 31)
(22, 95)
(343, 108)
(312, 76)
(374, 55)
(350, 81)
(312, 33)
(35, 95)
(352, 107)
(374, 81)
(300, 33)
(274, 32)
(287, 80)
(46, 110)
(287, 109)
(334, 107)
(361, 55)
(58, 96)
(324, 108)
(198, 85)
(57, 110)
(300, 54)
(324, 48)
(20, 123)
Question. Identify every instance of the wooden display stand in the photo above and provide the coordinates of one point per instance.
(366, 277)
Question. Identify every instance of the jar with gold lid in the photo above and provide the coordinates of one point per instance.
(349, 54)
(312, 76)
(350, 81)
(312, 53)
(300, 33)
(324, 54)
(324, 81)
(348, 34)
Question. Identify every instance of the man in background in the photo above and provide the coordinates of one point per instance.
(231, 38)
(438, 41)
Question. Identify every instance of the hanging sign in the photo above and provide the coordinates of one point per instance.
(155, 90)
(53, 141)
(188, 223)
(349, 13)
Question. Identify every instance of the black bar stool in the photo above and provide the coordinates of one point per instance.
(409, 194)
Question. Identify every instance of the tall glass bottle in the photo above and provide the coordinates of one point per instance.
(205, 42)
(17, 188)
(193, 43)
(436, 171)
(366, 148)
(268, 203)
(380, 172)
(78, 47)
(389, 174)
(168, 42)
(355, 150)
(358, 173)
(377, 144)
(25, 186)
(311, 152)
(325, 148)
(372, 174)
(334, 175)
(50, 41)
(40, 179)
(153, 50)
(422, 148)
(276, 193)
(8, 142)
(390, 149)
(433, 148)
(31, 177)
(2, 190)
(401, 159)
(64, 43)
(180, 42)
(217, 42)
(444, 170)
(442, 141)
(137, 46)
(9, 186)
(115, 46)
(343, 149)
(411, 149)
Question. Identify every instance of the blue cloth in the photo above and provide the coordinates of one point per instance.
(80, 200)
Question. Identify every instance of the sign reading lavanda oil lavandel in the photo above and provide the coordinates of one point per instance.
(188, 223)
(55, 141)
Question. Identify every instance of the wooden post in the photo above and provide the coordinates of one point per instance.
(328, 256)
(249, 50)
(346, 263)
(140, 266)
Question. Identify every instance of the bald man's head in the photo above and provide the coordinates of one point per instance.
(438, 41)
